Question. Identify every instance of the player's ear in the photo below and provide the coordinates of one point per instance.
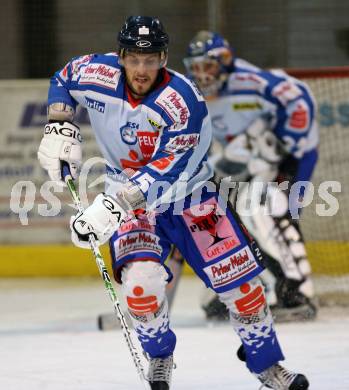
(163, 58)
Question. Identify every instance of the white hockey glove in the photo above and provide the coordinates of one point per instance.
(234, 161)
(101, 219)
(266, 151)
(61, 142)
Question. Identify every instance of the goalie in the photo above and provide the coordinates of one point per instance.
(265, 124)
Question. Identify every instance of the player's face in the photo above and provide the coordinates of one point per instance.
(141, 71)
(206, 73)
(208, 66)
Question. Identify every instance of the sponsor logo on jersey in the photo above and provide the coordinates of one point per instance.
(76, 64)
(232, 268)
(128, 133)
(182, 143)
(146, 142)
(299, 118)
(163, 162)
(213, 233)
(100, 75)
(286, 91)
(247, 106)
(174, 105)
(248, 81)
(154, 123)
(95, 104)
(63, 74)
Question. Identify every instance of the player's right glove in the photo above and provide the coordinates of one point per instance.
(61, 142)
(101, 219)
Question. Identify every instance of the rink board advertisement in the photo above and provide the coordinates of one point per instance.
(44, 222)
(35, 237)
(44, 217)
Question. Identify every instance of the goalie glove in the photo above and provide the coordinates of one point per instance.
(266, 151)
(61, 142)
(235, 158)
(101, 219)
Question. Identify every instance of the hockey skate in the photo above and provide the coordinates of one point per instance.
(277, 377)
(304, 312)
(292, 304)
(215, 310)
(160, 373)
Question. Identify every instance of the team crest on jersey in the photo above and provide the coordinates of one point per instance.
(128, 133)
(146, 141)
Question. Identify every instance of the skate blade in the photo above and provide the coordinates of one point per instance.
(299, 313)
(110, 321)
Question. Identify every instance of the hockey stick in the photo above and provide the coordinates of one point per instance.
(107, 281)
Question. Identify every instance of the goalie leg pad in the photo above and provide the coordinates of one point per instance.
(143, 286)
(253, 323)
(279, 237)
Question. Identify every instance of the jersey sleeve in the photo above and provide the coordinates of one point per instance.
(296, 124)
(61, 82)
(305, 169)
(180, 154)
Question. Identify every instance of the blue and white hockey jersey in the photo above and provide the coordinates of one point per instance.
(285, 102)
(165, 136)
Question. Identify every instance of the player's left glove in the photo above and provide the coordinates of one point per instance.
(61, 142)
(101, 219)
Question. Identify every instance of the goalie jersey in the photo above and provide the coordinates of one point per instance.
(160, 137)
(285, 102)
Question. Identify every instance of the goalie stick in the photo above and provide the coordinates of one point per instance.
(107, 281)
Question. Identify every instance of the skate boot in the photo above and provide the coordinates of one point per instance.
(216, 310)
(279, 378)
(292, 304)
(160, 372)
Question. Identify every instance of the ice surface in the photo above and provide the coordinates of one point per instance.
(49, 340)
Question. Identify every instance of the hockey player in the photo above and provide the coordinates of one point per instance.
(153, 129)
(265, 123)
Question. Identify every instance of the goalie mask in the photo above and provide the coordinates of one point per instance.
(209, 58)
(143, 34)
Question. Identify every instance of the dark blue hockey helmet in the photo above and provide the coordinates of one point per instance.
(143, 34)
(209, 59)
